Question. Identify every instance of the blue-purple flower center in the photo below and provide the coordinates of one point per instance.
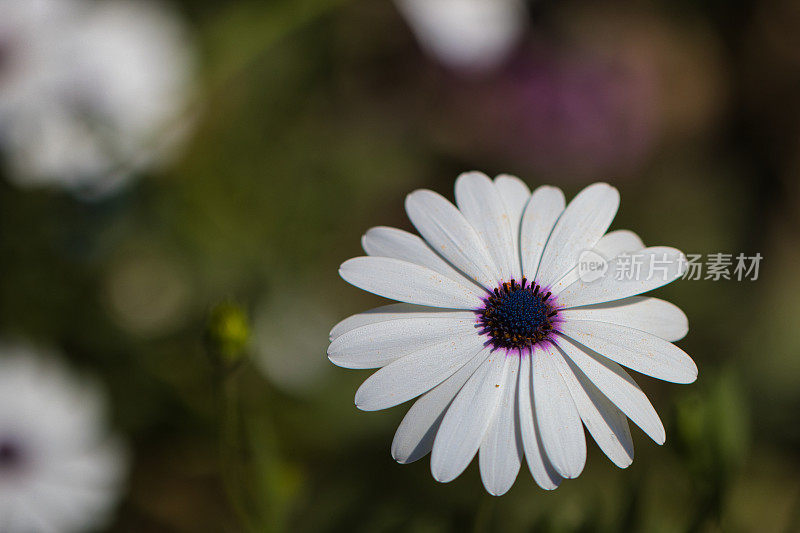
(11, 455)
(517, 315)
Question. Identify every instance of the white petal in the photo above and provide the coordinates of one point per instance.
(543, 472)
(468, 35)
(582, 224)
(416, 373)
(541, 214)
(612, 380)
(414, 437)
(654, 316)
(389, 312)
(609, 246)
(515, 194)
(556, 416)
(466, 420)
(501, 452)
(621, 241)
(407, 282)
(607, 425)
(635, 349)
(482, 206)
(451, 236)
(398, 244)
(379, 344)
(649, 269)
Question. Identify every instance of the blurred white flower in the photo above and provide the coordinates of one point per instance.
(90, 92)
(466, 34)
(60, 470)
(289, 332)
(148, 290)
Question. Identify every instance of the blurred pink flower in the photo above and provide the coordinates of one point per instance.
(570, 113)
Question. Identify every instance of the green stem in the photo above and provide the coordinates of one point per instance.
(231, 446)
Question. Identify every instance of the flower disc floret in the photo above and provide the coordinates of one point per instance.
(518, 315)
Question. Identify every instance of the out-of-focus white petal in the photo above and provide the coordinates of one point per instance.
(96, 92)
(72, 468)
(470, 35)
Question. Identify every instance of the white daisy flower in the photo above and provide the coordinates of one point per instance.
(90, 92)
(466, 34)
(510, 349)
(60, 471)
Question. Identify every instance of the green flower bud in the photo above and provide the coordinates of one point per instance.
(228, 333)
